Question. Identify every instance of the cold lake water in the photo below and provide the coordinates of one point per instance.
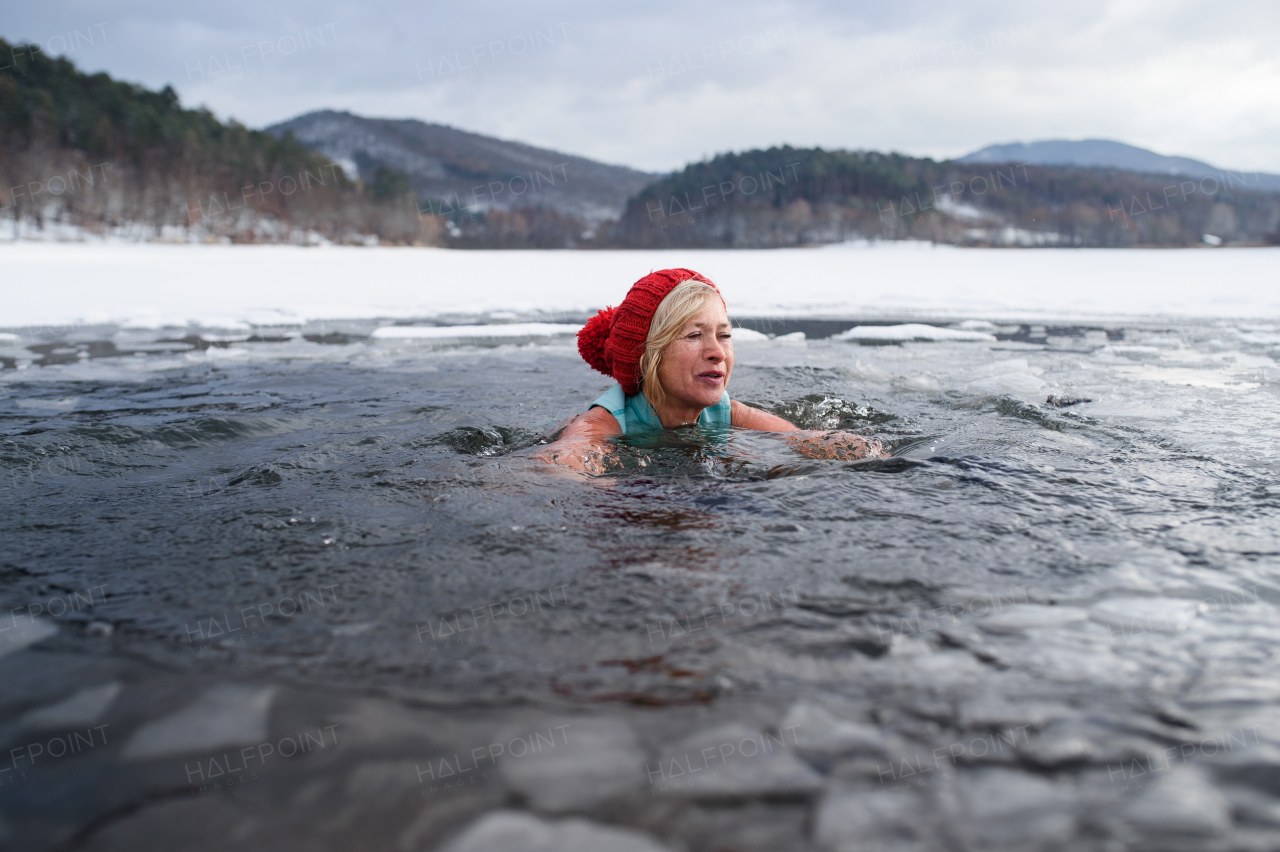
(302, 584)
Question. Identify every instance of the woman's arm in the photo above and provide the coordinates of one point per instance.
(844, 446)
(581, 445)
(746, 417)
(840, 446)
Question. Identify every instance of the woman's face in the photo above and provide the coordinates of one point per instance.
(695, 368)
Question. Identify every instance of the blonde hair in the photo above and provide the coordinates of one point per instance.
(682, 304)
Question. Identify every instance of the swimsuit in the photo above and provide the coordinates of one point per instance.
(635, 415)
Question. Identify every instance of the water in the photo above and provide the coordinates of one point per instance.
(1037, 626)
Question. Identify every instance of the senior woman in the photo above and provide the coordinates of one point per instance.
(669, 346)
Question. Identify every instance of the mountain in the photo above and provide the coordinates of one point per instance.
(86, 153)
(460, 176)
(797, 196)
(1104, 153)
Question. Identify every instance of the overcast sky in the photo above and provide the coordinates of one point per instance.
(657, 84)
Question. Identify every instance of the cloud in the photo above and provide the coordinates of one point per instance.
(656, 85)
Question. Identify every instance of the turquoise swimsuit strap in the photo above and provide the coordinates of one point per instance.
(634, 413)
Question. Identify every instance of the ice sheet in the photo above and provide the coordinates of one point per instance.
(460, 332)
(150, 285)
(912, 331)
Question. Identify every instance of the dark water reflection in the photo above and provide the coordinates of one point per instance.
(377, 541)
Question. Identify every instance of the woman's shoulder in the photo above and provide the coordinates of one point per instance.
(596, 423)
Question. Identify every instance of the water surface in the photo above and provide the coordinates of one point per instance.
(1037, 626)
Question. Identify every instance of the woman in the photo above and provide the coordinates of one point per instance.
(669, 345)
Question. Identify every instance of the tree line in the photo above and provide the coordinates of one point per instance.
(96, 154)
(787, 196)
(89, 152)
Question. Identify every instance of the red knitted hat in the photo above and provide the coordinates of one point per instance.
(613, 340)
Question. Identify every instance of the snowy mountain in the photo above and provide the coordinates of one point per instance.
(453, 171)
(1105, 153)
(808, 196)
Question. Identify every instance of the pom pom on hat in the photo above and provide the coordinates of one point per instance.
(592, 338)
(612, 341)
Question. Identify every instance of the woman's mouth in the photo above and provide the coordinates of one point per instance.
(712, 376)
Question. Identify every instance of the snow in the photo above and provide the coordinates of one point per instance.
(64, 404)
(462, 332)
(912, 331)
(748, 335)
(517, 831)
(233, 287)
(965, 212)
(82, 709)
(223, 716)
(25, 631)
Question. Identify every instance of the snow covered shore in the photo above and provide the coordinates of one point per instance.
(151, 285)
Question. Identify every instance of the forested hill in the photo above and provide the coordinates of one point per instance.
(790, 196)
(86, 153)
(455, 171)
(80, 151)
